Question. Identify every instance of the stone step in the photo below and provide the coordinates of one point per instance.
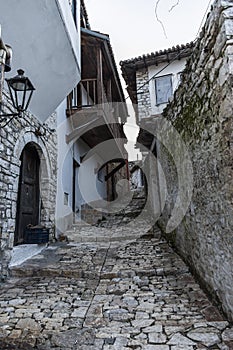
(101, 239)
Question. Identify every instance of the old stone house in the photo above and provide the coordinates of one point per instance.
(151, 82)
(28, 144)
(192, 172)
(44, 152)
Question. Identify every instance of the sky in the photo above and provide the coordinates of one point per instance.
(138, 27)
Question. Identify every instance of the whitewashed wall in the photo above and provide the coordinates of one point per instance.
(46, 44)
(174, 68)
(89, 187)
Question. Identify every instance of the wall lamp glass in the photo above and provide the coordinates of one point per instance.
(21, 90)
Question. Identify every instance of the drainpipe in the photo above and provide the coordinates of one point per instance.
(5, 58)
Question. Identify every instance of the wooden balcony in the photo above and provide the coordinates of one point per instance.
(86, 98)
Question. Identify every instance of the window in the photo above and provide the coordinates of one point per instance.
(163, 89)
(66, 198)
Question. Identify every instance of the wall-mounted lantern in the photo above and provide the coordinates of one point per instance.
(20, 87)
(21, 90)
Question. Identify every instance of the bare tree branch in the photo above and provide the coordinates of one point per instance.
(173, 6)
(158, 19)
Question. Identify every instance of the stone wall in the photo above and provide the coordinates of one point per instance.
(13, 138)
(202, 113)
(143, 94)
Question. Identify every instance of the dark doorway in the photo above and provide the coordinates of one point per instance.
(28, 192)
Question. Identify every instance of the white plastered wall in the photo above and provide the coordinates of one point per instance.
(174, 69)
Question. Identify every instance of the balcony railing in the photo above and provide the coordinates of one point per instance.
(86, 94)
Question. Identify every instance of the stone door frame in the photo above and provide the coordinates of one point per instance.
(44, 174)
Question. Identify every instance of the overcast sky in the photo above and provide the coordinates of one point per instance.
(134, 28)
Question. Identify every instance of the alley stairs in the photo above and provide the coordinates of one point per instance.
(112, 225)
(122, 288)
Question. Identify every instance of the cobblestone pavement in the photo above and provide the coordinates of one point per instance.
(114, 295)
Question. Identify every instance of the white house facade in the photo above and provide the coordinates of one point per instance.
(87, 119)
(46, 44)
(152, 79)
(163, 84)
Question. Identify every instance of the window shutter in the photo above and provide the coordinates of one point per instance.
(163, 88)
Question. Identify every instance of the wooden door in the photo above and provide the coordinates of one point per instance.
(28, 192)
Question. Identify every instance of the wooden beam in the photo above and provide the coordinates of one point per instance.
(115, 170)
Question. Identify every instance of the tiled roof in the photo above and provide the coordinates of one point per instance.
(184, 50)
(130, 67)
(84, 14)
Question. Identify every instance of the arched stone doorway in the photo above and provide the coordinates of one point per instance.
(28, 202)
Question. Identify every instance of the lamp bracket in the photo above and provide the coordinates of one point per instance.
(8, 115)
(12, 115)
(5, 116)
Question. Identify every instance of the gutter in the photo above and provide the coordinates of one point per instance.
(95, 34)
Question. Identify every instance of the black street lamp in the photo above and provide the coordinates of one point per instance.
(21, 90)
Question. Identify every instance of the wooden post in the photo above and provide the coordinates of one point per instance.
(100, 84)
(109, 91)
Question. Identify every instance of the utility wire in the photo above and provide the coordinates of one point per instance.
(203, 18)
(160, 71)
(167, 65)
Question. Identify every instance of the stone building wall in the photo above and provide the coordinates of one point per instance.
(143, 94)
(202, 113)
(13, 138)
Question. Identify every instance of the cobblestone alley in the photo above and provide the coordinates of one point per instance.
(123, 288)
